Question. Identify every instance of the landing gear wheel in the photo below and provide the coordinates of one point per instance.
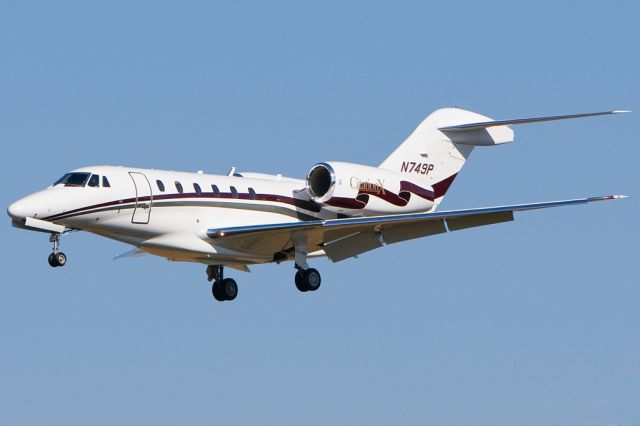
(57, 259)
(225, 289)
(308, 280)
(229, 288)
(217, 294)
(299, 284)
(60, 258)
(311, 278)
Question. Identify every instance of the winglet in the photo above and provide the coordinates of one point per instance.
(608, 197)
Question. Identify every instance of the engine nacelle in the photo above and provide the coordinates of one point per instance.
(351, 188)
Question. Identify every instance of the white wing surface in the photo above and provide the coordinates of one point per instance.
(344, 238)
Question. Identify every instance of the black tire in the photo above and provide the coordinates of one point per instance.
(52, 261)
(311, 279)
(60, 258)
(300, 282)
(217, 293)
(229, 288)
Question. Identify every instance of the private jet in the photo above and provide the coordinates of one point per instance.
(340, 210)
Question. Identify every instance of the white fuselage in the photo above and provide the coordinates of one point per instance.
(167, 213)
(164, 213)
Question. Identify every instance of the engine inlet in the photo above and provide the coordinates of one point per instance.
(320, 180)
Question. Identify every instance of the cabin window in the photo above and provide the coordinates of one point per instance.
(179, 187)
(105, 182)
(160, 185)
(73, 179)
(252, 194)
(234, 192)
(215, 189)
(197, 188)
(94, 181)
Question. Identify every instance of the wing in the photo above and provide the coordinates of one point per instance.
(344, 238)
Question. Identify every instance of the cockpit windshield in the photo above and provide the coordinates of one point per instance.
(73, 179)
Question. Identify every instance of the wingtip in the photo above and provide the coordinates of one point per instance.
(615, 197)
(620, 111)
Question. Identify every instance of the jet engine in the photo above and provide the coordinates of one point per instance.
(350, 188)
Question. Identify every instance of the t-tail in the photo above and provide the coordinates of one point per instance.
(438, 148)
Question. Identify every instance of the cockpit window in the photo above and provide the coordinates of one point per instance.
(105, 182)
(94, 181)
(73, 179)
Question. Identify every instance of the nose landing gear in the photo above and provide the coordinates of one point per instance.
(56, 258)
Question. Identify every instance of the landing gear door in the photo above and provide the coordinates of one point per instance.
(144, 198)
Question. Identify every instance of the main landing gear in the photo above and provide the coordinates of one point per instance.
(222, 288)
(307, 279)
(227, 289)
(56, 258)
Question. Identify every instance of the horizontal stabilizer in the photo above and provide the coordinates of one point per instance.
(494, 123)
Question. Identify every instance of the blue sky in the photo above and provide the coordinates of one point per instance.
(531, 322)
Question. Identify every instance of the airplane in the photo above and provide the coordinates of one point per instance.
(340, 210)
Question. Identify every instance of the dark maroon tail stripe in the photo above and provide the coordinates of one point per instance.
(441, 188)
(415, 189)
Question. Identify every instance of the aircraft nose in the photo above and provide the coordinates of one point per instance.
(16, 211)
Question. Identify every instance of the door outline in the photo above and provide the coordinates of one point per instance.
(142, 210)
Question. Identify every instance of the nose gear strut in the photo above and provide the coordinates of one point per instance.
(56, 258)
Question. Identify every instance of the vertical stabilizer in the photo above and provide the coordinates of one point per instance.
(438, 155)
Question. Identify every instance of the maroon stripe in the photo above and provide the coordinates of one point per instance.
(441, 188)
(402, 198)
(415, 189)
(296, 202)
(346, 203)
(386, 195)
(94, 206)
(364, 198)
(399, 200)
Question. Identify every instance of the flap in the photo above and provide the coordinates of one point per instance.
(352, 246)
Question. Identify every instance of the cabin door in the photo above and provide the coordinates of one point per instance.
(144, 198)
